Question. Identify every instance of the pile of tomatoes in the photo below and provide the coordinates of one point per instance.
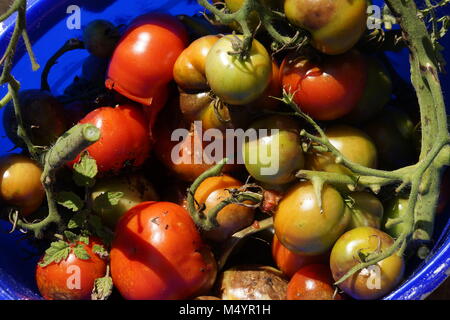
(160, 76)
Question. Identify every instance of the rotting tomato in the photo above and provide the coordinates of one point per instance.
(373, 282)
(189, 69)
(72, 278)
(312, 282)
(290, 262)
(354, 145)
(125, 137)
(326, 89)
(236, 80)
(335, 25)
(365, 210)
(233, 217)
(20, 183)
(302, 227)
(143, 60)
(158, 254)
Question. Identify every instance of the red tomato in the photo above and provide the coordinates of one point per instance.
(158, 254)
(313, 282)
(152, 111)
(73, 278)
(144, 58)
(326, 90)
(290, 262)
(125, 137)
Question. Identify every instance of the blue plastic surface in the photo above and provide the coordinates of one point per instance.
(48, 30)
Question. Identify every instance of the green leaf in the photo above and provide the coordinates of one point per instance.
(70, 200)
(84, 239)
(107, 200)
(100, 251)
(78, 220)
(58, 251)
(81, 253)
(102, 288)
(70, 236)
(85, 171)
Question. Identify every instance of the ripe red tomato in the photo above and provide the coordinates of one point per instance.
(143, 61)
(313, 282)
(158, 254)
(125, 137)
(73, 278)
(328, 89)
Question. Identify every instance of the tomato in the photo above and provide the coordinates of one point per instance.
(233, 217)
(124, 140)
(72, 278)
(372, 283)
(365, 210)
(135, 188)
(253, 19)
(393, 133)
(100, 38)
(312, 282)
(335, 26)
(42, 115)
(274, 157)
(328, 89)
(290, 262)
(266, 101)
(143, 60)
(233, 79)
(376, 95)
(302, 227)
(354, 145)
(158, 254)
(395, 208)
(20, 183)
(189, 69)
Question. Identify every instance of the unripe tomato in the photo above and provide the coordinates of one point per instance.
(189, 69)
(233, 79)
(335, 25)
(395, 209)
(158, 254)
(135, 188)
(100, 38)
(144, 58)
(274, 157)
(20, 183)
(312, 282)
(253, 19)
(124, 140)
(72, 278)
(366, 284)
(302, 227)
(365, 210)
(354, 145)
(233, 217)
(328, 89)
(290, 262)
(266, 101)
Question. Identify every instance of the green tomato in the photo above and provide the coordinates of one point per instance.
(276, 157)
(135, 189)
(235, 80)
(365, 210)
(396, 208)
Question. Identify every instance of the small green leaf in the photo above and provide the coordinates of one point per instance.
(81, 253)
(102, 288)
(100, 251)
(70, 236)
(58, 251)
(84, 239)
(70, 200)
(85, 171)
(107, 200)
(78, 220)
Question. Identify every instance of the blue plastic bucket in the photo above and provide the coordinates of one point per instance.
(47, 25)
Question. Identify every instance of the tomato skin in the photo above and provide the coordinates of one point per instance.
(100, 38)
(365, 240)
(366, 210)
(20, 183)
(396, 208)
(144, 58)
(312, 282)
(234, 80)
(158, 254)
(189, 69)
(302, 227)
(124, 139)
(53, 279)
(290, 262)
(335, 25)
(327, 90)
